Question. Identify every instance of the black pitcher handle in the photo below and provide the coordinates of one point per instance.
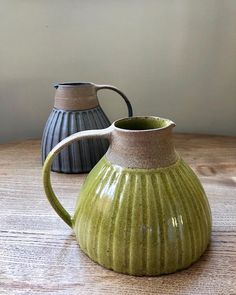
(130, 110)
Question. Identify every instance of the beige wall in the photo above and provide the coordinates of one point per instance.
(175, 59)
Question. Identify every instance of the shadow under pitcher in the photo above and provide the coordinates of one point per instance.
(77, 108)
(141, 210)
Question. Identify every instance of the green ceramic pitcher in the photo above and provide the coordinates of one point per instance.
(141, 210)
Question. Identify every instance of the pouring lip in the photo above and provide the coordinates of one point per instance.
(73, 84)
(168, 124)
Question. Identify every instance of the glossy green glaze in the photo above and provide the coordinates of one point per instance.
(142, 221)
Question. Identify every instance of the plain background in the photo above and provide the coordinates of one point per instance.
(172, 58)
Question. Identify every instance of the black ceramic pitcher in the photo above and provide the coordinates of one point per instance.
(77, 108)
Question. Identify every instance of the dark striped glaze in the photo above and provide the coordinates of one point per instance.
(143, 221)
(79, 157)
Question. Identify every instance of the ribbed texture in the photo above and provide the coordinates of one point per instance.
(143, 222)
(80, 156)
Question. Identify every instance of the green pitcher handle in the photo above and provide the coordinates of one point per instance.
(61, 211)
(130, 110)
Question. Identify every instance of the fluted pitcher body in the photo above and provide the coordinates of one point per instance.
(76, 108)
(142, 210)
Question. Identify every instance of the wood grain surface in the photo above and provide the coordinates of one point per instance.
(38, 251)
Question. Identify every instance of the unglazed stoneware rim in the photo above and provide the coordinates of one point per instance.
(83, 95)
(142, 142)
(169, 124)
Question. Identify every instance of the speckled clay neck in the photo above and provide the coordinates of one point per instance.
(142, 142)
(76, 96)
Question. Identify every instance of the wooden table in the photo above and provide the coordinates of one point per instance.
(38, 251)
